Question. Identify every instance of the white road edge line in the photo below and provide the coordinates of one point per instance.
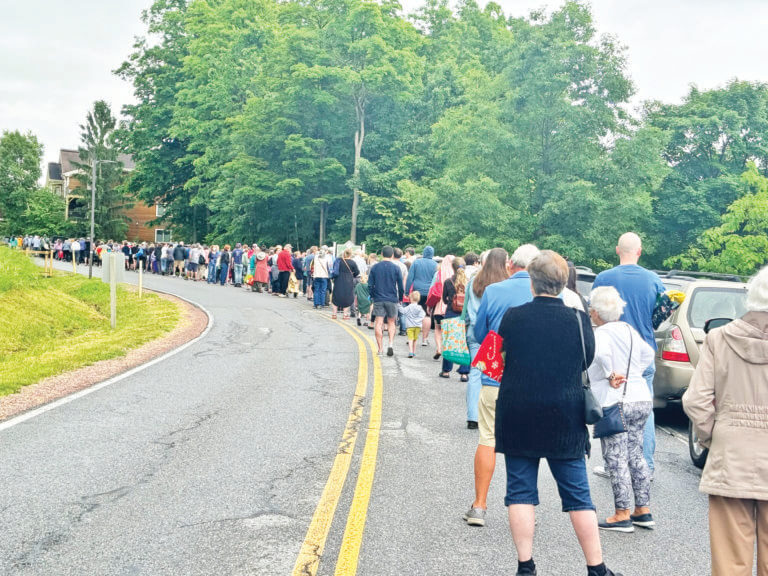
(76, 395)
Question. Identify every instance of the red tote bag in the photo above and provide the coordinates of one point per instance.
(490, 358)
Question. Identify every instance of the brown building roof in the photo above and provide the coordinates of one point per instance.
(68, 158)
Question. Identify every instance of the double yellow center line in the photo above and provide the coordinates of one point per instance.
(314, 542)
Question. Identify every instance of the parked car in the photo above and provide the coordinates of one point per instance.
(679, 338)
(585, 277)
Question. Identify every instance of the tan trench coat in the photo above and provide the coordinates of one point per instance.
(727, 402)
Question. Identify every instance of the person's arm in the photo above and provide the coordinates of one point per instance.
(372, 284)
(699, 399)
(602, 364)
(481, 321)
(589, 337)
(399, 279)
(409, 280)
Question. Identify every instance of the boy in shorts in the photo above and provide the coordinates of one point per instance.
(413, 314)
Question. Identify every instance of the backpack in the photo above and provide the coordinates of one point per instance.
(457, 304)
(435, 292)
(201, 260)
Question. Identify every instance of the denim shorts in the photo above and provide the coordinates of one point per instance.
(570, 475)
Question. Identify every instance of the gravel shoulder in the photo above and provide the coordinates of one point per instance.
(192, 323)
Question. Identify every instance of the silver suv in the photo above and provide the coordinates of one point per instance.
(679, 338)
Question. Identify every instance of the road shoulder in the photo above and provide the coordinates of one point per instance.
(192, 323)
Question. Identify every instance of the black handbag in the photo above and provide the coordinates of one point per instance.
(593, 412)
(613, 421)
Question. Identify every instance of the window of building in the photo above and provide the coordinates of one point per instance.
(163, 235)
(159, 210)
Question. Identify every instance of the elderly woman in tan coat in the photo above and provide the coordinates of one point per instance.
(727, 402)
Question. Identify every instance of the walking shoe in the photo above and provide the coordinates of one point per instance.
(644, 521)
(601, 471)
(401, 333)
(359, 323)
(424, 343)
(526, 573)
(390, 351)
(475, 516)
(471, 425)
(623, 526)
(411, 354)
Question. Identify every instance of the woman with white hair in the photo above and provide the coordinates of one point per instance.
(727, 402)
(621, 357)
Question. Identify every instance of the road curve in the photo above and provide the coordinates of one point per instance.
(214, 461)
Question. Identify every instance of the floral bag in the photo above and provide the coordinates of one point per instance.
(455, 341)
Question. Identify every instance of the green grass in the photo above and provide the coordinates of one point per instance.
(53, 325)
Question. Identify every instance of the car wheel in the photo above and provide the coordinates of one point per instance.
(697, 451)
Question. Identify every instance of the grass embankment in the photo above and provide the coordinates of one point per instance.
(53, 325)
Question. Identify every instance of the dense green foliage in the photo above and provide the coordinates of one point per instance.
(321, 120)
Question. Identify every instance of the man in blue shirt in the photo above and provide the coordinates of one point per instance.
(497, 299)
(639, 288)
(419, 279)
(385, 283)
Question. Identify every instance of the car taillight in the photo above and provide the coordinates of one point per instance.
(674, 347)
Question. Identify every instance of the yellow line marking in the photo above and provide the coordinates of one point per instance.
(317, 533)
(353, 534)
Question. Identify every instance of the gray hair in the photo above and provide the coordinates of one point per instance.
(607, 303)
(524, 255)
(549, 273)
(757, 292)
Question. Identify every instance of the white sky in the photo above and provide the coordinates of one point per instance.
(57, 57)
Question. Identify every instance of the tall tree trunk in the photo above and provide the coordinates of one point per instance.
(359, 138)
(322, 223)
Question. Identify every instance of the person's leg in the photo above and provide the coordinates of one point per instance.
(762, 537)
(732, 532)
(521, 498)
(485, 455)
(391, 321)
(473, 386)
(636, 414)
(616, 458)
(573, 487)
(323, 291)
(426, 323)
(649, 432)
(447, 367)
(378, 327)
(438, 339)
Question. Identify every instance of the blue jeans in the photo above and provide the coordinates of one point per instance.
(223, 275)
(649, 432)
(238, 275)
(319, 287)
(474, 385)
(448, 366)
(212, 272)
(570, 475)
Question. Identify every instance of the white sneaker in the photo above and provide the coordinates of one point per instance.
(601, 471)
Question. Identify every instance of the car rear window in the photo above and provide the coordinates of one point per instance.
(708, 303)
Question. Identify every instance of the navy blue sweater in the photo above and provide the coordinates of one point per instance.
(540, 409)
(385, 282)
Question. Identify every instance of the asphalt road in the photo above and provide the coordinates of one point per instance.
(213, 462)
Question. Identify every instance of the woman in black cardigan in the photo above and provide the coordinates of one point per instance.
(540, 411)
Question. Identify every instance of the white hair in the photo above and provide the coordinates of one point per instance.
(607, 303)
(524, 255)
(757, 292)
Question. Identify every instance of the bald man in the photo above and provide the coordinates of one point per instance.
(639, 288)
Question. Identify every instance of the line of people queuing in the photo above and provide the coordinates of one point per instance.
(551, 336)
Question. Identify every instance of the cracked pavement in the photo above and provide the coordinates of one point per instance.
(212, 463)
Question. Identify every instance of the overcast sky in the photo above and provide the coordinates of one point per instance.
(56, 58)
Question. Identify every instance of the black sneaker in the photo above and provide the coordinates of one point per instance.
(402, 333)
(471, 425)
(644, 521)
(623, 526)
(390, 351)
(528, 573)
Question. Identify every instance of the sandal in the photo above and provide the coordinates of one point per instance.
(345, 317)
(444, 375)
(464, 378)
(436, 356)
(333, 316)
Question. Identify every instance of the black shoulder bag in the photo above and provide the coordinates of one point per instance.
(613, 421)
(593, 412)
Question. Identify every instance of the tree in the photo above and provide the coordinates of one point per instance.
(740, 243)
(44, 214)
(712, 137)
(20, 156)
(99, 145)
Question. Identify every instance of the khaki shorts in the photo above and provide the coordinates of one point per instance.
(486, 421)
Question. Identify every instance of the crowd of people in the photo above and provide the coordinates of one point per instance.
(553, 338)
